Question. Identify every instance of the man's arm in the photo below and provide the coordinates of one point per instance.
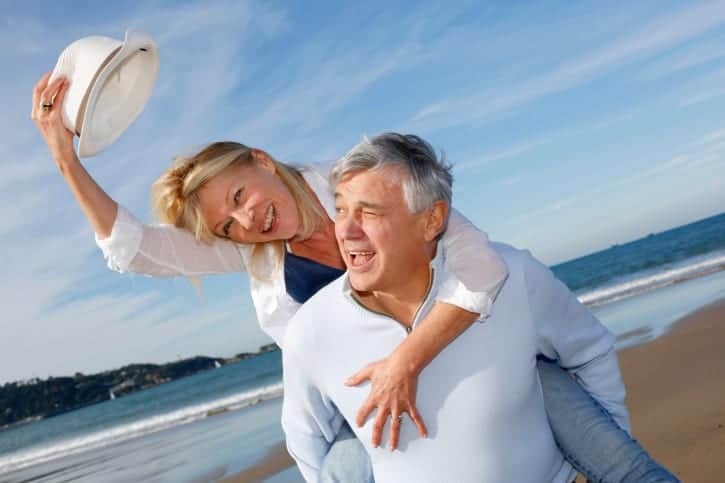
(569, 334)
(310, 420)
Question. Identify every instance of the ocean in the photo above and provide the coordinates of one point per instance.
(216, 423)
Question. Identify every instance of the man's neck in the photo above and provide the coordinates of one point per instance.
(403, 303)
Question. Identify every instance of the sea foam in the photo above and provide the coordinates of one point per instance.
(648, 281)
(99, 439)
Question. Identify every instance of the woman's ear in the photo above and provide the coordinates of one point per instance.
(436, 220)
(263, 159)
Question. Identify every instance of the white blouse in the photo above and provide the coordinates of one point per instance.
(476, 271)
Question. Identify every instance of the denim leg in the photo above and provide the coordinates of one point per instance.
(347, 461)
(588, 436)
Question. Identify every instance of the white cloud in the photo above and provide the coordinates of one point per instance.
(488, 158)
(686, 58)
(698, 155)
(662, 33)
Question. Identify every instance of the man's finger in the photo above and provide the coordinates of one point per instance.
(379, 426)
(395, 420)
(360, 376)
(364, 412)
(418, 421)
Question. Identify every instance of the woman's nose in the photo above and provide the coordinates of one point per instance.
(245, 217)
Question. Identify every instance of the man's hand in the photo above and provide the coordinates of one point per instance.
(392, 393)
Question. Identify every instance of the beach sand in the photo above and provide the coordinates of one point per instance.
(676, 397)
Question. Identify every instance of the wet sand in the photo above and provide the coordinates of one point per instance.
(676, 397)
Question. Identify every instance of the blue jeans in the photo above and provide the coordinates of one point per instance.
(589, 438)
(587, 435)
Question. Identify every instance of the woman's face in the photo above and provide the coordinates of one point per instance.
(250, 204)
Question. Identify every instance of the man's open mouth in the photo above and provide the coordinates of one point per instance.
(360, 258)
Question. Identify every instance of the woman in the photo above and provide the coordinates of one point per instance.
(232, 208)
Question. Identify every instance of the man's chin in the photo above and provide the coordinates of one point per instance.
(361, 283)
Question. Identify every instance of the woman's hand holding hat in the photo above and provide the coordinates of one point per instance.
(46, 113)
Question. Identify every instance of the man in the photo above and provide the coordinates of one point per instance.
(481, 396)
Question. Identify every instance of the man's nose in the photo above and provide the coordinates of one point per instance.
(245, 217)
(348, 227)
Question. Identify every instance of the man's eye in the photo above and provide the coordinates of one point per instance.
(369, 213)
(339, 211)
(237, 196)
(227, 227)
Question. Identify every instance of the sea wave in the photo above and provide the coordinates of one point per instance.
(42, 453)
(651, 280)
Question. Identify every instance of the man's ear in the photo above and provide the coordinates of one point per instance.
(436, 220)
(263, 159)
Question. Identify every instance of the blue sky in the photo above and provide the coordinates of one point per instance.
(572, 127)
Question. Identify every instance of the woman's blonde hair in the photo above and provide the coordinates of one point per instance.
(175, 195)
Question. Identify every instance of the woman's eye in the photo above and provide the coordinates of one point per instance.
(227, 227)
(237, 196)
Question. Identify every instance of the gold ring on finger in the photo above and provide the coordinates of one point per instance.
(46, 105)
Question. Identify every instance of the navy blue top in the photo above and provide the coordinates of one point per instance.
(304, 277)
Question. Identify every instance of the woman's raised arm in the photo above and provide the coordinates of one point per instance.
(99, 208)
(127, 244)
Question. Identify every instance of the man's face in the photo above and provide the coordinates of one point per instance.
(382, 242)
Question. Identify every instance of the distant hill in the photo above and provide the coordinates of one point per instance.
(26, 401)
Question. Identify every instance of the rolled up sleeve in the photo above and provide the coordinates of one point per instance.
(474, 271)
(120, 248)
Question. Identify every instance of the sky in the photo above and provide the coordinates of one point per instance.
(571, 125)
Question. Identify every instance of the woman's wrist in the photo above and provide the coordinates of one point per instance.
(409, 358)
(66, 159)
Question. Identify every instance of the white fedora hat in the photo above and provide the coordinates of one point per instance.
(110, 83)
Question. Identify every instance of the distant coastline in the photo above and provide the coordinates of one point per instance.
(24, 402)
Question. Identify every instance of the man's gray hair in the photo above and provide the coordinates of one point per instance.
(427, 178)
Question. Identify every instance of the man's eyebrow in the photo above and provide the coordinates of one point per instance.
(363, 204)
(368, 204)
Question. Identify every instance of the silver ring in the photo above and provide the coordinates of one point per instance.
(400, 418)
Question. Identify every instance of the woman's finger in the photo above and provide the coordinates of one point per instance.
(50, 91)
(396, 418)
(37, 90)
(58, 101)
(380, 419)
(418, 421)
(360, 377)
(41, 85)
(364, 411)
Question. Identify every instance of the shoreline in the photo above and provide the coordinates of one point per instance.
(675, 391)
